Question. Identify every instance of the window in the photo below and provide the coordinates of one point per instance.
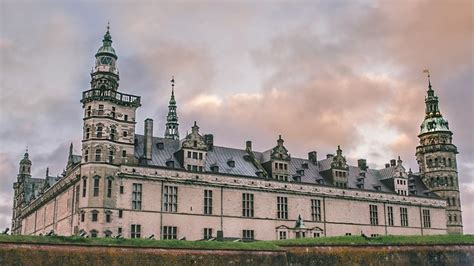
(108, 217)
(300, 235)
(96, 186)
(316, 210)
(95, 216)
(248, 235)
(404, 217)
(88, 133)
(200, 156)
(207, 233)
(119, 230)
(113, 112)
(348, 234)
(94, 233)
(120, 214)
(89, 110)
(426, 219)
(282, 207)
(111, 156)
(108, 233)
(207, 201)
(109, 188)
(247, 204)
(83, 216)
(316, 234)
(121, 189)
(282, 235)
(454, 201)
(97, 155)
(137, 196)
(374, 218)
(125, 117)
(101, 109)
(170, 232)
(86, 156)
(390, 215)
(170, 199)
(84, 187)
(99, 132)
(124, 153)
(189, 154)
(135, 231)
(195, 155)
(125, 133)
(112, 133)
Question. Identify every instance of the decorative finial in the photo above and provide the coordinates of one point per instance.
(172, 85)
(108, 26)
(427, 71)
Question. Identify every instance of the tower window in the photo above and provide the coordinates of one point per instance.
(111, 156)
(101, 109)
(97, 155)
(112, 133)
(99, 132)
(96, 186)
(449, 162)
(112, 114)
(125, 117)
(125, 133)
(88, 133)
(89, 110)
(109, 188)
(124, 153)
(84, 187)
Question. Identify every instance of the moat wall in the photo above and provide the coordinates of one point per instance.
(40, 254)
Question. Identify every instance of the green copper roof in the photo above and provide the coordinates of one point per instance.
(433, 124)
(106, 47)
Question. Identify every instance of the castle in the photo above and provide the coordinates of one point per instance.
(169, 187)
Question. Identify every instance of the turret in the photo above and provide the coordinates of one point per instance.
(25, 166)
(171, 131)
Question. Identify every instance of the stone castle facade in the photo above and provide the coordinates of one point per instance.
(169, 187)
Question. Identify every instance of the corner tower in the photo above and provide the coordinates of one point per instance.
(171, 131)
(436, 156)
(19, 188)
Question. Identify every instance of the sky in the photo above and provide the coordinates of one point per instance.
(320, 73)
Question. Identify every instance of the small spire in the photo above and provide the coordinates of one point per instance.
(280, 140)
(47, 171)
(70, 149)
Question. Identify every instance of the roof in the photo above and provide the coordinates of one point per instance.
(220, 156)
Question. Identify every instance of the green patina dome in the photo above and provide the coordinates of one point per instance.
(106, 47)
(434, 124)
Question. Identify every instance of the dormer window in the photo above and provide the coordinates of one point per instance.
(231, 163)
(300, 172)
(170, 164)
(304, 165)
(378, 188)
(160, 145)
(215, 168)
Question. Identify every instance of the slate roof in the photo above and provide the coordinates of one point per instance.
(219, 156)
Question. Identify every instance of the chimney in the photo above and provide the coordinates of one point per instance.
(393, 162)
(313, 157)
(387, 165)
(209, 140)
(362, 164)
(329, 155)
(248, 145)
(148, 138)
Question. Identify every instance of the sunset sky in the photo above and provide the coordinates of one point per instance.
(320, 73)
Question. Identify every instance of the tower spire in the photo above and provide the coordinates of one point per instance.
(171, 131)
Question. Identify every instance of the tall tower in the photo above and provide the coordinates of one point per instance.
(436, 156)
(19, 200)
(171, 131)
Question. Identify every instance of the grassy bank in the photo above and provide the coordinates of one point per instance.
(258, 245)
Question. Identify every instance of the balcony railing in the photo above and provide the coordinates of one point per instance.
(110, 95)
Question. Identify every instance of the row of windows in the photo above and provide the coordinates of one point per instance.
(98, 155)
(402, 192)
(96, 186)
(440, 162)
(340, 173)
(100, 112)
(403, 216)
(401, 182)
(281, 177)
(341, 184)
(95, 216)
(195, 155)
(454, 218)
(452, 201)
(442, 181)
(99, 133)
(281, 166)
(195, 168)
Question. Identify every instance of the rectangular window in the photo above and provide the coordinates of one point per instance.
(195, 155)
(374, 217)
(207, 201)
(170, 199)
(135, 231)
(95, 215)
(316, 210)
(125, 133)
(119, 230)
(109, 188)
(83, 216)
(248, 235)
(195, 168)
(189, 154)
(404, 217)
(426, 219)
(108, 217)
(207, 233)
(121, 189)
(282, 235)
(200, 156)
(170, 232)
(247, 205)
(86, 156)
(125, 117)
(282, 207)
(124, 153)
(99, 132)
(189, 167)
(101, 109)
(120, 214)
(96, 187)
(97, 155)
(137, 196)
(84, 187)
(390, 215)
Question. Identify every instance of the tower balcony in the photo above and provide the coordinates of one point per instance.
(110, 95)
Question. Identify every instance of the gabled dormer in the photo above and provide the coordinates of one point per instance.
(276, 161)
(193, 150)
(400, 179)
(339, 169)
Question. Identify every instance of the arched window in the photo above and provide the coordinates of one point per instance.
(96, 186)
(437, 181)
(455, 218)
(446, 181)
(109, 186)
(86, 156)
